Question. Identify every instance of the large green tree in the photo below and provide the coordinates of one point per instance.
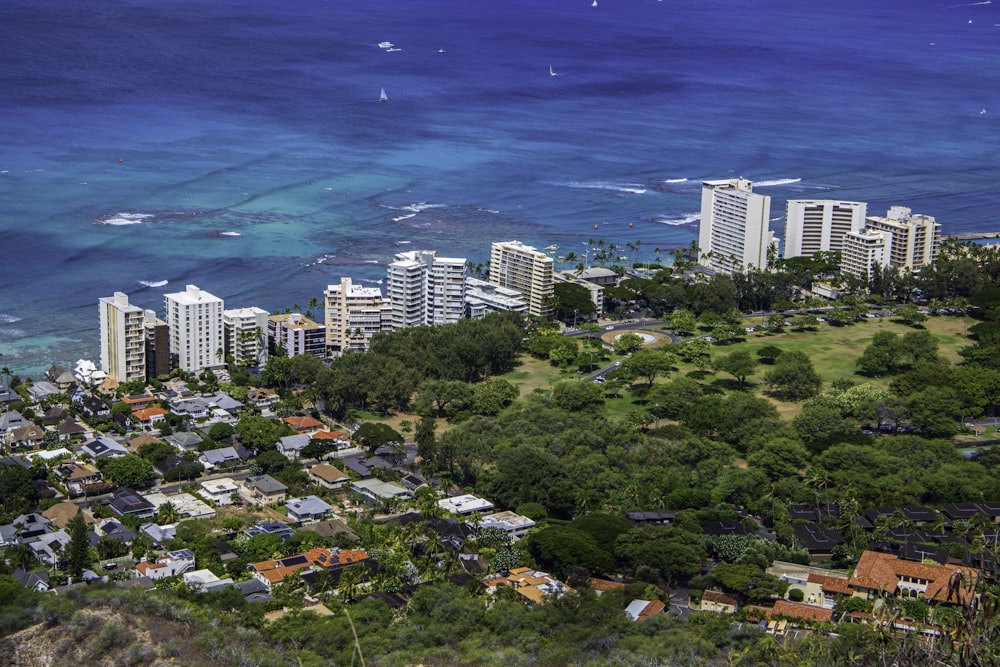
(740, 364)
(78, 550)
(793, 376)
(129, 470)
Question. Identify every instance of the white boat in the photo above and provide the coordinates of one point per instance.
(594, 3)
(552, 72)
(385, 45)
(383, 97)
(982, 112)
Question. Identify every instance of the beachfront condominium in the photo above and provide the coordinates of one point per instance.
(819, 225)
(294, 333)
(123, 338)
(424, 289)
(196, 331)
(863, 251)
(354, 314)
(526, 270)
(483, 298)
(734, 233)
(245, 331)
(915, 238)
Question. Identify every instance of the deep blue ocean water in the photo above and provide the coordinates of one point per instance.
(240, 146)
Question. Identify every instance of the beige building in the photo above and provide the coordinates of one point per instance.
(915, 237)
(354, 314)
(815, 225)
(246, 335)
(123, 338)
(734, 234)
(863, 251)
(297, 334)
(526, 270)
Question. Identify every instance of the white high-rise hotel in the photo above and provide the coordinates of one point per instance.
(425, 290)
(123, 339)
(734, 233)
(815, 225)
(196, 329)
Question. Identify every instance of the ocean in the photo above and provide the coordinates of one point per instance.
(241, 146)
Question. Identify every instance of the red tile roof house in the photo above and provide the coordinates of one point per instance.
(719, 602)
(879, 574)
(148, 418)
(641, 610)
(271, 572)
(303, 424)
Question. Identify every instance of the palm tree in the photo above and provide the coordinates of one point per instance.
(20, 556)
(166, 513)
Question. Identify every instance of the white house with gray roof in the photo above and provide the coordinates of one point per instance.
(308, 508)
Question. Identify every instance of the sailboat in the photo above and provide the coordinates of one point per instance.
(552, 72)
(594, 3)
(383, 97)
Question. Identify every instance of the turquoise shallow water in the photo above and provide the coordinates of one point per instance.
(260, 119)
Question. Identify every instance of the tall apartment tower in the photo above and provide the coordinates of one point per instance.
(157, 345)
(424, 289)
(526, 270)
(296, 334)
(734, 232)
(245, 331)
(196, 331)
(915, 237)
(863, 251)
(815, 225)
(354, 314)
(123, 339)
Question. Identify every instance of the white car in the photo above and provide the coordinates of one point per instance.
(609, 328)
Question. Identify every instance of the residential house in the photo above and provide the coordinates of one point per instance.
(103, 448)
(512, 523)
(185, 441)
(62, 513)
(291, 446)
(173, 462)
(226, 402)
(26, 437)
(50, 547)
(33, 581)
(263, 399)
(39, 391)
(307, 508)
(651, 518)
(185, 504)
(159, 534)
(173, 564)
(205, 580)
(465, 505)
(11, 420)
(362, 465)
(53, 415)
(878, 574)
(818, 540)
(373, 491)
(150, 418)
(271, 572)
(222, 457)
(219, 491)
(798, 611)
(328, 476)
(338, 439)
(80, 479)
(719, 602)
(127, 501)
(30, 527)
(139, 401)
(254, 590)
(538, 587)
(303, 424)
(819, 586)
(7, 395)
(94, 406)
(282, 530)
(264, 489)
(69, 429)
(193, 408)
(113, 530)
(145, 439)
(641, 610)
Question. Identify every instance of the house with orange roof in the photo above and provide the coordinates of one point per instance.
(274, 571)
(139, 401)
(149, 418)
(641, 610)
(538, 587)
(334, 437)
(174, 563)
(303, 424)
(878, 574)
(801, 612)
(719, 602)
